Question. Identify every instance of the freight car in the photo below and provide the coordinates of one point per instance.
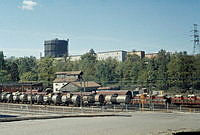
(96, 99)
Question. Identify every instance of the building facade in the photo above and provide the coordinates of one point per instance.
(141, 54)
(118, 55)
(63, 78)
(56, 48)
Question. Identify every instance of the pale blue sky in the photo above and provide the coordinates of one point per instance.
(103, 25)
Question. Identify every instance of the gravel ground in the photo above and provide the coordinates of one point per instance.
(141, 123)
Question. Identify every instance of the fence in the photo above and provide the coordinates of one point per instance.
(49, 109)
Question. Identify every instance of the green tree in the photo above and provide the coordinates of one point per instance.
(29, 76)
(161, 62)
(12, 68)
(46, 70)
(106, 71)
(87, 65)
(180, 70)
(4, 76)
(26, 64)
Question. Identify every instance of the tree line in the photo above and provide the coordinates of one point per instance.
(166, 71)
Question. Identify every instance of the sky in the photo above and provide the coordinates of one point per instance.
(104, 25)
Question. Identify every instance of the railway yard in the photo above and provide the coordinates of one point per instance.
(101, 112)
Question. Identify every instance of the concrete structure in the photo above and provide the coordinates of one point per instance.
(141, 54)
(118, 55)
(56, 48)
(63, 78)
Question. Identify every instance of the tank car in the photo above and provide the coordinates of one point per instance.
(66, 99)
(99, 99)
(39, 99)
(88, 99)
(123, 99)
(24, 98)
(3, 96)
(9, 97)
(47, 99)
(76, 100)
(16, 98)
(110, 99)
(31, 98)
(56, 99)
(115, 92)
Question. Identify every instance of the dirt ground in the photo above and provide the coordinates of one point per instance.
(140, 123)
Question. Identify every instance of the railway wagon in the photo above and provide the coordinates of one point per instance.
(23, 98)
(76, 100)
(66, 99)
(117, 92)
(39, 99)
(99, 99)
(16, 98)
(56, 99)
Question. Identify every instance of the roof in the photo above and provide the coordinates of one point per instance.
(69, 73)
(88, 84)
(61, 80)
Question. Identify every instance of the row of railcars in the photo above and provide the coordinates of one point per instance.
(97, 98)
(75, 99)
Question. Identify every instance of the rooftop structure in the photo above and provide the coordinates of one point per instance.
(56, 48)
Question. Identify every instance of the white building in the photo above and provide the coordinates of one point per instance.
(63, 78)
(118, 55)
